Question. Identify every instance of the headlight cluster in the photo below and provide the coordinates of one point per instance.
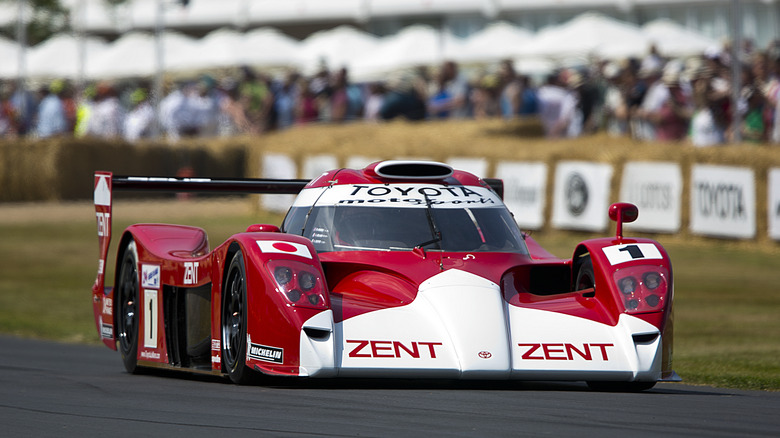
(643, 288)
(299, 283)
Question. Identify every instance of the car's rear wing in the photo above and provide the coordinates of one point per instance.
(106, 183)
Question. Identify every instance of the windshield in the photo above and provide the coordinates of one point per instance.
(365, 227)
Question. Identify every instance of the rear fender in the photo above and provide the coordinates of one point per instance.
(274, 322)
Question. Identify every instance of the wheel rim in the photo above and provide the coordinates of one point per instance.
(232, 317)
(127, 288)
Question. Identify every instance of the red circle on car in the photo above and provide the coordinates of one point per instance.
(286, 247)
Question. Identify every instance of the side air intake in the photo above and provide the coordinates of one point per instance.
(413, 170)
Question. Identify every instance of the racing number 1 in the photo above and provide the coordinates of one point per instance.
(150, 327)
(633, 251)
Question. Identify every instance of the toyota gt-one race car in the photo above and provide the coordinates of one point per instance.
(401, 269)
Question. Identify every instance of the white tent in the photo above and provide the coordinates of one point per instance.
(9, 53)
(586, 35)
(268, 47)
(58, 57)
(220, 48)
(416, 45)
(335, 48)
(674, 40)
(134, 55)
(495, 42)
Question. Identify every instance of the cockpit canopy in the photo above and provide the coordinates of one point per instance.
(401, 217)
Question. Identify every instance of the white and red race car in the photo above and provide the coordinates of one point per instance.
(402, 269)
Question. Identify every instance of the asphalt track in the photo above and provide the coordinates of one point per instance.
(51, 389)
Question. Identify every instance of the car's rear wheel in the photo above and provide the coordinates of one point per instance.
(234, 314)
(127, 296)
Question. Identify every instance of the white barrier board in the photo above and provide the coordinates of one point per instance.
(278, 166)
(524, 191)
(316, 165)
(581, 195)
(723, 201)
(359, 161)
(656, 188)
(773, 203)
(477, 166)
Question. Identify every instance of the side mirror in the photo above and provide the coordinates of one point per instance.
(262, 228)
(623, 212)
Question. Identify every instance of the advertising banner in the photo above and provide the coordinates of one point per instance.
(581, 195)
(773, 203)
(525, 186)
(723, 201)
(278, 166)
(656, 188)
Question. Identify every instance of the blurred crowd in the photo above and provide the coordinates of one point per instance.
(651, 98)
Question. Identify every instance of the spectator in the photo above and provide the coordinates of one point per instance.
(551, 96)
(339, 98)
(138, 123)
(511, 90)
(453, 93)
(170, 111)
(672, 119)
(233, 118)
(108, 115)
(403, 99)
(529, 101)
(706, 128)
(306, 108)
(657, 93)
(484, 96)
(615, 105)
(84, 110)
(257, 99)
(25, 108)
(752, 128)
(8, 120)
(571, 118)
(51, 112)
(203, 103)
(376, 97)
(286, 96)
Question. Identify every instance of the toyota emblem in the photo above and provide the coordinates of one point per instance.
(485, 354)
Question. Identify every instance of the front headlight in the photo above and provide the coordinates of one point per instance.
(299, 283)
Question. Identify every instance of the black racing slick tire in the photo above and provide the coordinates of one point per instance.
(585, 278)
(127, 305)
(233, 322)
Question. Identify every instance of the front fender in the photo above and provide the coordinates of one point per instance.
(619, 260)
(274, 321)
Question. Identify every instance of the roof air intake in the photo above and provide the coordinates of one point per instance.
(413, 170)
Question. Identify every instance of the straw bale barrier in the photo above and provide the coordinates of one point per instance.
(61, 169)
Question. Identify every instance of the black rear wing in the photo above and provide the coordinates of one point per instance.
(234, 185)
(204, 185)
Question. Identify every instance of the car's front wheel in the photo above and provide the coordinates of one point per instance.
(233, 327)
(127, 296)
